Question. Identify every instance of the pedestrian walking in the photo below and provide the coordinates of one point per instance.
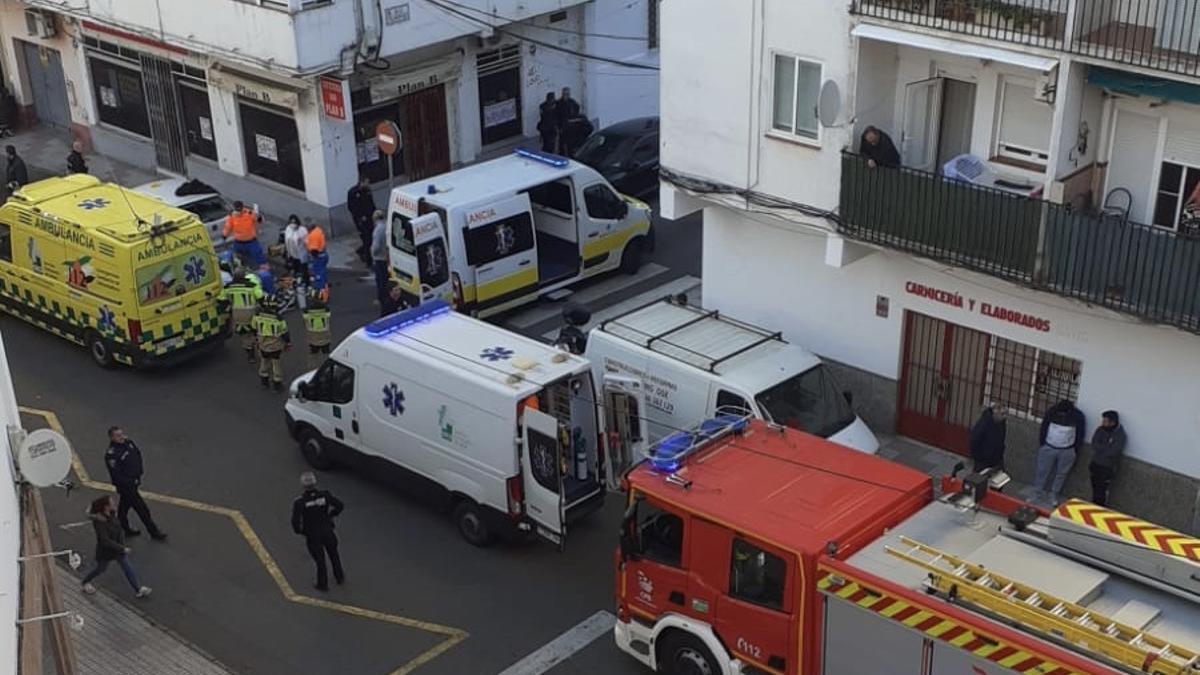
(988, 437)
(318, 260)
(110, 546)
(1108, 445)
(1061, 436)
(361, 204)
(75, 161)
(16, 174)
(273, 339)
(316, 330)
(242, 225)
(379, 261)
(243, 294)
(124, 461)
(295, 241)
(548, 123)
(565, 109)
(312, 516)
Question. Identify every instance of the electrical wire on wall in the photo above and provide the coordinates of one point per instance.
(555, 29)
(705, 186)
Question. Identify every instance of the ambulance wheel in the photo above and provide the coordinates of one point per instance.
(631, 259)
(312, 446)
(682, 654)
(471, 524)
(99, 349)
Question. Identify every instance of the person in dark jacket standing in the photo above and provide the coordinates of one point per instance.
(565, 110)
(575, 133)
(75, 161)
(361, 204)
(110, 546)
(548, 123)
(17, 175)
(1108, 444)
(312, 516)
(124, 462)
(988, 437)
(879, 149)
(1061, 437)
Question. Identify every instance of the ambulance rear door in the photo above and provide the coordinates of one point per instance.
(502, 250)
(625, 424)
(542, 477)
(418, 255)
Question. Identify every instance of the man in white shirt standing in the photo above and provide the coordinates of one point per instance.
(379, 262)
(1061, 437)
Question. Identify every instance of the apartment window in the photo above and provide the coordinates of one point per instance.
(120, 96)
(652, 24)
(1028, 380)
(1024, 126)
(271, 143)
(796, 91)
(1176, 183)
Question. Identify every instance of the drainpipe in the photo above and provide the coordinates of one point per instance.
(350, 52)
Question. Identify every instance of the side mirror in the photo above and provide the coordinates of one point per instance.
(303, 391)
(849, 396)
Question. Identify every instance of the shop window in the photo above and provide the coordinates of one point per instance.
(756, 575)
(500, 239)
(500, 93)
(371, 162)
(120, 96)
(197, 119)
(1028, 380)
(660, 535)
(271, 144)
(797, 88)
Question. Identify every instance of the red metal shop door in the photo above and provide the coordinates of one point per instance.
(942, 381)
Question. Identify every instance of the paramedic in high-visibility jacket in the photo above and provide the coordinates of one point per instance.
(243, 295)
(273, 339)
(316, 329)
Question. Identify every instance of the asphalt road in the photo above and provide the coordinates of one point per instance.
(210, 434)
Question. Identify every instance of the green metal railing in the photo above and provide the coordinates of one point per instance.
(1146, 271)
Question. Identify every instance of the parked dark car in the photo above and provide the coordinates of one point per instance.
(625, 153)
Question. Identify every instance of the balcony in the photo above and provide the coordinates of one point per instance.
(1140, 270)
(1156, 34)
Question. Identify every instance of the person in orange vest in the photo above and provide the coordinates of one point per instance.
(318, 260)
(242, 225)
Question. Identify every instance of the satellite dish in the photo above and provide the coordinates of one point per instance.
(44, 457)
(830, 104)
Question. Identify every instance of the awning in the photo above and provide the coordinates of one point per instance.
(1041, 64)
(1133, 84)
(407, 79)
(275, 90)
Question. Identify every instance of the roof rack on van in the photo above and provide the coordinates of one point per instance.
(710, 361)
(667, 454)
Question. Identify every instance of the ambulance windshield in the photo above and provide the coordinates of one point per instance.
(809, 402)
(161, 279)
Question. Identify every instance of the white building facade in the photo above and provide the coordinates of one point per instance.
(277, 102)
(1032, 245)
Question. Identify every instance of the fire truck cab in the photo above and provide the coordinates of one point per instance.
(751, 548)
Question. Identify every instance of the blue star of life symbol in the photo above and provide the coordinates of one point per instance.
(107, 321)
(194, 270)
(494, 354)
(393, 399)
(94, 203)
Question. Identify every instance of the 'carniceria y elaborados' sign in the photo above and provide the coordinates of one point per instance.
(999, 313)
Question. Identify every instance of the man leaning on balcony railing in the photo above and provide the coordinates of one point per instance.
(878, 149)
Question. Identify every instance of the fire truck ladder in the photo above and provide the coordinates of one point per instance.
(1038, 612)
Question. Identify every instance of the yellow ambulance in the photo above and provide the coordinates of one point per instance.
(132, 279)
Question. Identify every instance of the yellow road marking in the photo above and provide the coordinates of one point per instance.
(453, 636)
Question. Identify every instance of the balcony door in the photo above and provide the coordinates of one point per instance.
(939, 117)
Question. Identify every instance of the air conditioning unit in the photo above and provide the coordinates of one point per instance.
(40, 23)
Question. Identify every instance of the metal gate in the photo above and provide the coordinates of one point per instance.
(426, 134)
(942, 381)
(166, 122)
(47, 86)
(499, 80)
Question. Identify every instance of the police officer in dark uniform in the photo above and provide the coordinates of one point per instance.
(124, 462)
(312, 516)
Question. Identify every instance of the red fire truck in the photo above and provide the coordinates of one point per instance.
(751, 548)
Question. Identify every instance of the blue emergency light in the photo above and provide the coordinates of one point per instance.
(668, 454)
(556, 161)
(394, 322)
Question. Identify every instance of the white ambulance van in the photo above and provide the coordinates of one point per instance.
(503, 427)
(690, 362)
(495, 235)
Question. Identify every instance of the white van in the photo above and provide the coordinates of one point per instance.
(503, 427)
(692, 362)
(495, 235)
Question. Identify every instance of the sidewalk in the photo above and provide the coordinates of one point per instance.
(45, 151)
(937, 463)
(117, 640)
